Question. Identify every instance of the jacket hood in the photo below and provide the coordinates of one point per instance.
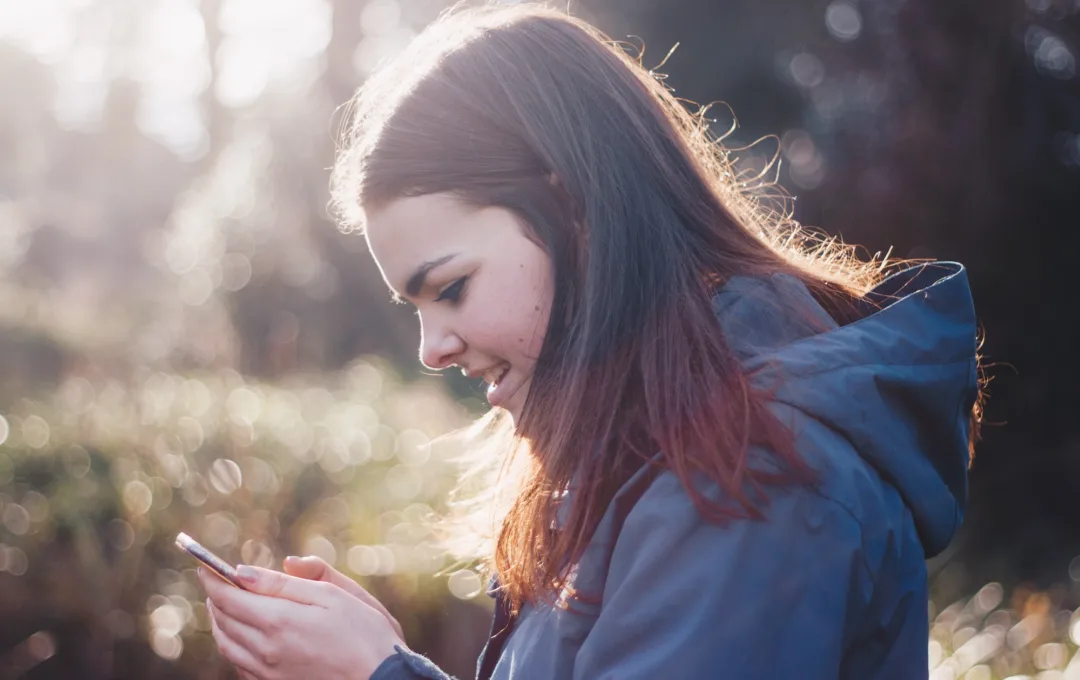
(899, 384)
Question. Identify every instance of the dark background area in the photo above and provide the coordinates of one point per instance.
(947, 130)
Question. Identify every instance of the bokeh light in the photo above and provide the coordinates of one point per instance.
(465, 584)
(843, 20)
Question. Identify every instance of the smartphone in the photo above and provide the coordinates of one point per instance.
(223, 569)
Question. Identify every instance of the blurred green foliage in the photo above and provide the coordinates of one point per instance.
(98, 478)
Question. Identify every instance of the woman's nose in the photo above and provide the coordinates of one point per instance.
(439, 346)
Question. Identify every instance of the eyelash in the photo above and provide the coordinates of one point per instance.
(453, 291)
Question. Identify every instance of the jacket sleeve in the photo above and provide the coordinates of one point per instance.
(408, 665)
(686, 598)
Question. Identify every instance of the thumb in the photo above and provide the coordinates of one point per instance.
(276, 584)
(316, 569)
(311, 568)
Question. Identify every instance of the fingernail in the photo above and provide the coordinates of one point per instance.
(246, 574)
(199, 571)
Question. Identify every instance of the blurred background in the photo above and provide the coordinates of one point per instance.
(187, 343)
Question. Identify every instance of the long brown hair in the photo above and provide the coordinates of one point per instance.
(644, 217)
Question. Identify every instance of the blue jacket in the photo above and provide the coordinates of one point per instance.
(832, 584)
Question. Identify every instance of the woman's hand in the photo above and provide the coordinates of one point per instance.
(316, 569)
(284, 627)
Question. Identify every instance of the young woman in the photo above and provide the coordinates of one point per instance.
(732, 447)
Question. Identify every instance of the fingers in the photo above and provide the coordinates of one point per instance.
(239, 632)
(215, 586)
(309, 567)
(316, 568)
(276, 584)
(229, 648)
(257, 611)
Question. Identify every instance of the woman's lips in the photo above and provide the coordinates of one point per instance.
(497, 391)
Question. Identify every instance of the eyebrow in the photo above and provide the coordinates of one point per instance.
(417, 280)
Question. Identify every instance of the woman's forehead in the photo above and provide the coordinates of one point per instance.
(431, 225)
(413, 223)
(411, 232)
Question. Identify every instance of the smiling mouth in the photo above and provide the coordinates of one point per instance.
(496, 391)
(494, 384)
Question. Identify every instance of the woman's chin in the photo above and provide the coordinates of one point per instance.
(511, 403)
(516, 402)
(511, 412)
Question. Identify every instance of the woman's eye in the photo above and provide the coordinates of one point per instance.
(453, 291)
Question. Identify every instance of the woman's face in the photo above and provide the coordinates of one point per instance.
(482, 289)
